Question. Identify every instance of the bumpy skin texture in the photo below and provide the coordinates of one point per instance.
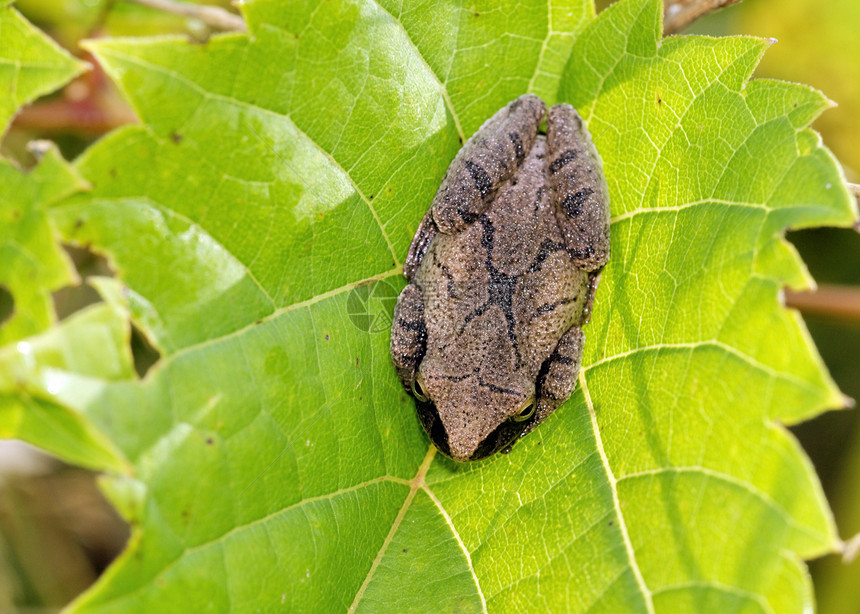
(502, 274)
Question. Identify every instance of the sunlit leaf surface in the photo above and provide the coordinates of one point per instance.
(259, 218)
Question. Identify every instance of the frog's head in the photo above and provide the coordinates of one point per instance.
(469, 416)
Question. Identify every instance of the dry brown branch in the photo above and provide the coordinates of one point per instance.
(681, 13)
(53, 116)
(212, 16)
(839, 302)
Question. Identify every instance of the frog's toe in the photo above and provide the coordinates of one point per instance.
(557, 376)
(408, 334)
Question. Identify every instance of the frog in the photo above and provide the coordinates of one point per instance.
(501, 277)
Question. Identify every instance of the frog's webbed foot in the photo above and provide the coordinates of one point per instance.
(557, 376)
(582, 197)
(487, 159)
(408, 334)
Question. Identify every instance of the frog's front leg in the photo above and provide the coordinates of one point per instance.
(581, 194)
(420, 243)
(487, 159)
(557, 376)
(408, 334)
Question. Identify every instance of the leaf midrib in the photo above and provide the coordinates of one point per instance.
(610, 476)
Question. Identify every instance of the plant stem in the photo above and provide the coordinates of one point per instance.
(855, 191)
(839, 302)
(681, 13)
(212, 16)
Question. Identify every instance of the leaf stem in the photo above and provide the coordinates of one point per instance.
(855, 191)
(84, 117)
(212, 16)
(679, 14)
(838, 302)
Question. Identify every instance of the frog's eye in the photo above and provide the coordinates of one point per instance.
(418, 390)
(525, 411)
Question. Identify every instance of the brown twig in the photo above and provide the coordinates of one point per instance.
(53, 116)
(212, 16)
(855, 191)
(88, 106)
(679, 14)
(839, 302)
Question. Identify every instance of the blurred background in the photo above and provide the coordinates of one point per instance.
(57, 533)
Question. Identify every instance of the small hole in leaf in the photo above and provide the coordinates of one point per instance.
(143, 352)
(70, 299)
(88, 262)
(7, 305)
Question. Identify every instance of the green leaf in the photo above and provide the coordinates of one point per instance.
(259, 218)
(34, 264)
(30, 64)
(47, 382)
(47, 374)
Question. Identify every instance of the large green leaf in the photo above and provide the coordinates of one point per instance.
(30, 64)
(33, 265)
(259, 218)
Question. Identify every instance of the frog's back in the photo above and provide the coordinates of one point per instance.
(500, 293)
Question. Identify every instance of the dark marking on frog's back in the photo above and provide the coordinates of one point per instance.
(546, 249)
(564, 158)
(499, 389)
(452, 286)
(518, 147)
(548, 307)
(500, 289)
(482, 180)
(572, 203)
(583, 253)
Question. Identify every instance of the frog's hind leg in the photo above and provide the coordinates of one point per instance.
(420, 242)
(408, 334)
(487, 160)
(581, 194)
(557, 376)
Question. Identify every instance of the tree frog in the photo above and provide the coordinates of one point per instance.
(487, 335)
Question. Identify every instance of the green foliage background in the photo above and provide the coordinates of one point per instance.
(270, 460)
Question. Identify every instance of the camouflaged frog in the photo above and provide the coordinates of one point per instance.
(502, 273)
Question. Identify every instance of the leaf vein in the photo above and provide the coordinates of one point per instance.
(751, 488)
(298, 506)
(713, 343)
(622, 525)
(245, 105)
(415, 483)
(443, 90)
(281, 311)
(459, 540)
